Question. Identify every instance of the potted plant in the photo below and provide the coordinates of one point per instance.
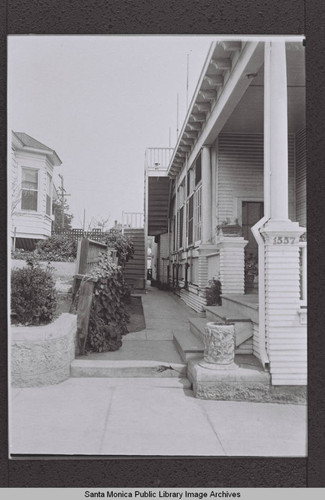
(229, 227)
(251, 271)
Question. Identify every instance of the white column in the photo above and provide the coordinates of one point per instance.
(214, 173)
(206, 194)
(276, 131)
(285, 335)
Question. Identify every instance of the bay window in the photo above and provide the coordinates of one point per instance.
(48, 194)
(29, 188)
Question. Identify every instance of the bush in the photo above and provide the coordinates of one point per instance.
(33, 295)
(122, 244)
(108, 316)
(59, 247)
(213, 293)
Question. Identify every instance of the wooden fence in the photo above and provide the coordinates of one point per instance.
(88, 255)
(77, 234)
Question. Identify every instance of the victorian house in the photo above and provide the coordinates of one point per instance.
(32, 190)
(228, 203)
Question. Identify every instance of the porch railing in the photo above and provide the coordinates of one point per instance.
(158, 159)
(132, 220)
(303, 272)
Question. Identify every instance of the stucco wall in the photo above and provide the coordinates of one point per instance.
(41, 355)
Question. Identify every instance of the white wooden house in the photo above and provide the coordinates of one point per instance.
(234, 188)
(31, 196)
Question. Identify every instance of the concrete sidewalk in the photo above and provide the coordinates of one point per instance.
(102, 416)
(149, 416)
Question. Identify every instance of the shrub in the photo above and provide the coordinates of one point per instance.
(33, 295)
(122, 244)
(108, 316)
(213, 293)
(59, 247)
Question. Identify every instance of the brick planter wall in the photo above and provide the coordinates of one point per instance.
(41, 355)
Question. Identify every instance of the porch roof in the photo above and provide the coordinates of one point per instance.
(229, 96)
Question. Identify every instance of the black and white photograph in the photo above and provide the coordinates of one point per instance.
(157, 246)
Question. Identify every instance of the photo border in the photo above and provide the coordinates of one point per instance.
(299, 17)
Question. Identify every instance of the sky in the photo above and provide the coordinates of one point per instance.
(99, 102)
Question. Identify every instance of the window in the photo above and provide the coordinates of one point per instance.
(198, 214)
(198, 170)
(189, 184)
(48, 194)
(29, 188)
(190, 213)
(174, 234)
(180, 225)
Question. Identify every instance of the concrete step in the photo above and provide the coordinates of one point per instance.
(149, 382)
(245, 306)
(126, 368)
(188, 345)
(197, 327)
(243, 331)
(243, 324)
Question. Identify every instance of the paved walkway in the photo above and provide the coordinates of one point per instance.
(149, 416)
(164, 314)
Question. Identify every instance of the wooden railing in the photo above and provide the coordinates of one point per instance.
(76, 234)
(132, 220)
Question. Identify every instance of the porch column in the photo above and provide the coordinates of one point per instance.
(276, 131)
(284, 332)
(206, 194)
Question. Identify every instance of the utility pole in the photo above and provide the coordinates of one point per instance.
(177, 118)
(187, 75)
(63, 195)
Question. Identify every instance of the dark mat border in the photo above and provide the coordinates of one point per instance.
(184, 17)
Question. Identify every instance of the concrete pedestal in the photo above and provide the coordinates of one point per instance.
(246, 383)
(219, 346)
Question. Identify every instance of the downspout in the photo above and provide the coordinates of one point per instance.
(145, 221)
(267, 210)
(261, 290)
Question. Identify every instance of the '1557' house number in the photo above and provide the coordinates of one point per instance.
(283, 240)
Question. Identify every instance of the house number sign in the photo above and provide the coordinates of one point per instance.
(283, 240)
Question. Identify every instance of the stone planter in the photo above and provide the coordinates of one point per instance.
(41, 355)
(219, 345)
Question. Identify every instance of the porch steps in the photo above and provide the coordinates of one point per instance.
(127, 368)
(188, 345)
(243, 324)
(244, 343)
(243, 306)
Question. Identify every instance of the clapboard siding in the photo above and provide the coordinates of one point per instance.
(286, 337)
(193, 298)
(213, 267)
(256, 341)
(301, 177)
(241, 172)
(194, 273)
(240, 160)
(163, 257)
